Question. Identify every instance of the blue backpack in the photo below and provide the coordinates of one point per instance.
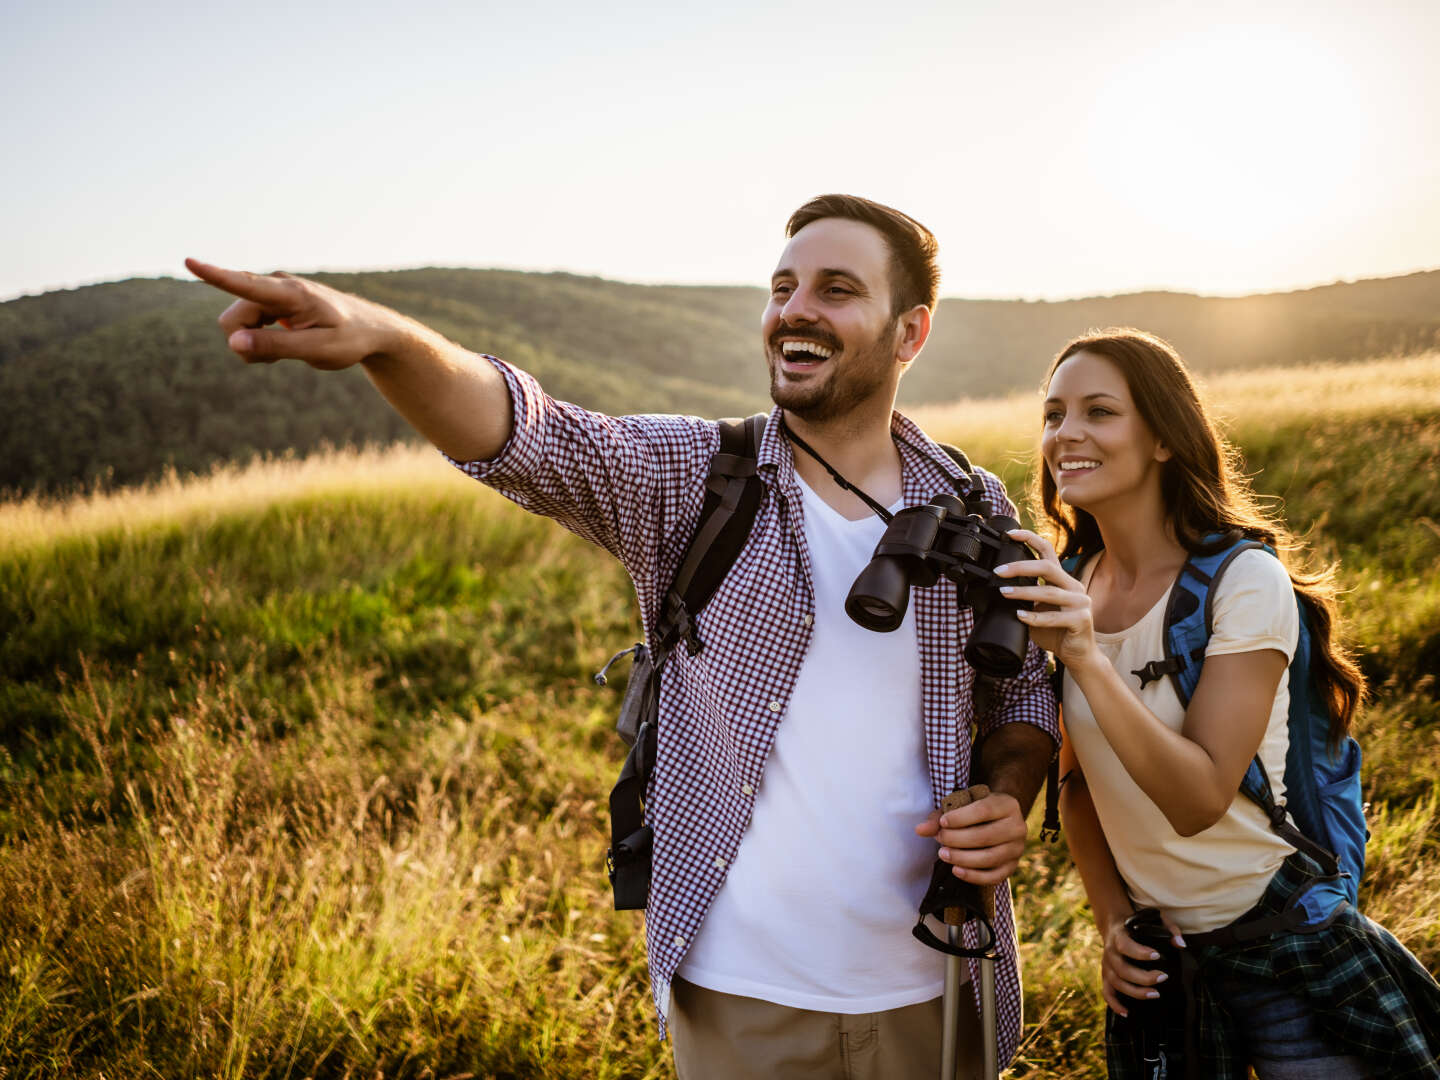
(1323, 813)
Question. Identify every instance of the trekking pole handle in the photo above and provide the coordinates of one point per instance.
(955, 916)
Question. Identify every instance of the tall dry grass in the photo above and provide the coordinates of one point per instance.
(226, 489)
(1003, 430)
(301, 773)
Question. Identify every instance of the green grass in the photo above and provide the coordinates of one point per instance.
(308, 791)
(302, 772)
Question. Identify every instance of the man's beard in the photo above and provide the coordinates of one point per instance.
(865, 373)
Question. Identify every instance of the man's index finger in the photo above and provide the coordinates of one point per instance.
(260, 288)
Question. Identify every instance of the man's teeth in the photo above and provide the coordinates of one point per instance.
(1067, 466)
(790, 348)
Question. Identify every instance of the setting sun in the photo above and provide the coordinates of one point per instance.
(1231, 140)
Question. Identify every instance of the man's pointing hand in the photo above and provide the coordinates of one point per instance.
(324, 327)
(459, 403)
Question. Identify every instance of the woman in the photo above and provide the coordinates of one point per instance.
(1134, 479)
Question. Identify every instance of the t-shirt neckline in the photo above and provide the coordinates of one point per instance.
(806, 489)
(1109, 637)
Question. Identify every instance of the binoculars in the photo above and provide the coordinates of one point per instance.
(946, 537)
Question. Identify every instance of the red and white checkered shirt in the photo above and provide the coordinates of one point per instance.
(634, 485)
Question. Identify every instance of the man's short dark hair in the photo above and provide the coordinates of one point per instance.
(914, 277)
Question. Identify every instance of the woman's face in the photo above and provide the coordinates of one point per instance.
(1095, 443)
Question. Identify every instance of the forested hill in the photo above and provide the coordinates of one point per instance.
(120, 380)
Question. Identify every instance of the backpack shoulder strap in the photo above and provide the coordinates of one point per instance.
(1189, 624)
(1323, 813)
(973, 484)
(958, 456)
(1190, 617)
(732, 498)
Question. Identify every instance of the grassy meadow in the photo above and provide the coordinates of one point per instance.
(303, 774)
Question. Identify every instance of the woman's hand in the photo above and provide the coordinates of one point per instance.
(1061, 622)
(1120, 977)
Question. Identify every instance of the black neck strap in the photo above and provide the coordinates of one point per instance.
(883, 513)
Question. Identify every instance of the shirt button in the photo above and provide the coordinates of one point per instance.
(719, 863)
(775, 706)
(746, 789)
(679, 941)
(808, 620)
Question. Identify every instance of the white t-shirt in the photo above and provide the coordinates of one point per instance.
(1209, 879)
(817, 907)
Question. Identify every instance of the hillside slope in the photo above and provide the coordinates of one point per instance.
(304, 772)
(121, 380)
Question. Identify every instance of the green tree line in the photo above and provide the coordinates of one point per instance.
(114, 383)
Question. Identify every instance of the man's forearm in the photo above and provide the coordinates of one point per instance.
(1014, 759)
(455, 399)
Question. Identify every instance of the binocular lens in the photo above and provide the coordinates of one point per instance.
(997, 645)
(880, 595)
(993, 660)
(874, 611)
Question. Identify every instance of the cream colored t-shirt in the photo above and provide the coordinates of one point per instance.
(1207, 880)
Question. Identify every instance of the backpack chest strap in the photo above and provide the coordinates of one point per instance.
(1155, 670)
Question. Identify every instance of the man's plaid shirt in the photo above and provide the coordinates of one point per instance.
(634, 485)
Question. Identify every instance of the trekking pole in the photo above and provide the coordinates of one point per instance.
(954, 919)
(991, 1043)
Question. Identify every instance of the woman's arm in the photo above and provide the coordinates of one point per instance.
(1192, 775)
(1109, 901)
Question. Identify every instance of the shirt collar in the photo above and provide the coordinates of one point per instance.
(927, 469)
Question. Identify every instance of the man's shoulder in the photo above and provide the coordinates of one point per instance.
(668, 441)
(677, 425)
(950, 457)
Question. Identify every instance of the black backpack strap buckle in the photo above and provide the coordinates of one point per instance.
(680, 625)
(1155, 670)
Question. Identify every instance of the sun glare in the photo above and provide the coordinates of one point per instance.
(1235, 141)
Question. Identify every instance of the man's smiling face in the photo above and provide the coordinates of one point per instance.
(831, 339)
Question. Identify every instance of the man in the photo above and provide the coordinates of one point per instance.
(800, 757)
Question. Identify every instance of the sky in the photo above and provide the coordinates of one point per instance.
(1057, 149)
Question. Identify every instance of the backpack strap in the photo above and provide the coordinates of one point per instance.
(961, 461)
(1190, 617)
(1257, 787)
(732, 498)
(985, 690)
(1189, 624)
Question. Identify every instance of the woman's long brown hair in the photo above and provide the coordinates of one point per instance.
(1205, 494)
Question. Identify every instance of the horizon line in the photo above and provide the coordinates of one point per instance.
(76, 285)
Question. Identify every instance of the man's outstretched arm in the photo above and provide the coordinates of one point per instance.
(452, 397)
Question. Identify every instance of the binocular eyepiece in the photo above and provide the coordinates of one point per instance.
(946, 538)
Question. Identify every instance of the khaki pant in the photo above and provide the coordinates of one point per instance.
(723, 1037)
